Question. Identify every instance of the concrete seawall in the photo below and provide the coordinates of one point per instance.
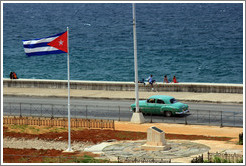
(125, 86)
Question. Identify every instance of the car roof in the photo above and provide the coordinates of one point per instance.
(163, 97)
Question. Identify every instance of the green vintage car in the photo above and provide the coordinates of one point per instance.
(162, 105)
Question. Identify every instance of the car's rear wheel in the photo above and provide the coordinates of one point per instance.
(168, 113)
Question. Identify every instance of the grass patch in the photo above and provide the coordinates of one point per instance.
(73, 159)
(57, 129)
(23, 160)
(217, 159)
(34, 129)
(18, 128)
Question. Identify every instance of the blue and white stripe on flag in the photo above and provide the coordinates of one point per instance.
(40, 46)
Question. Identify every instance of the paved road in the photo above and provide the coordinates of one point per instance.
(213, 114)
(123, 103)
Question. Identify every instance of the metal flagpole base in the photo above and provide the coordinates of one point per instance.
(69, 150)
(137, 117)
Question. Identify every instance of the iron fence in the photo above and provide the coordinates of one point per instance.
(142, 160)
(224, 157)
(213, 118)
(122, 113)
(218, 158)
(198, 159)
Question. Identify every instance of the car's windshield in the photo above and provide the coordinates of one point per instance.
(173, 100)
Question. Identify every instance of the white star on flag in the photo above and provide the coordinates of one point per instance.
(60, 42)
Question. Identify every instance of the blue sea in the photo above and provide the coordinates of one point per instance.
(196, 42)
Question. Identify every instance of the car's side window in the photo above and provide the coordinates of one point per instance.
(160, 101)
(151, 100)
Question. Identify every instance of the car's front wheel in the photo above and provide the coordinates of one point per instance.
(168, 113)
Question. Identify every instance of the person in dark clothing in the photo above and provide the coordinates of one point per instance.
(11, 75)
(165, 79)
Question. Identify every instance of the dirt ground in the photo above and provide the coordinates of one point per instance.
(212, 136)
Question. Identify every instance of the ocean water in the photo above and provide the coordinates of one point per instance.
(196, 42)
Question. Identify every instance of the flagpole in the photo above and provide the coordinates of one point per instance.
(68, 87)
(137, 116)
(135, 58)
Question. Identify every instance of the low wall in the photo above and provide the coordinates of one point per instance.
(125, 86)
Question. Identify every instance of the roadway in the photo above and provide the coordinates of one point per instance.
(200, 113)
(110, 102)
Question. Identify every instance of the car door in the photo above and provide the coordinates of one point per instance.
(151, 106)
(159, 104)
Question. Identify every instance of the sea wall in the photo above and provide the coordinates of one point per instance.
(125, 86)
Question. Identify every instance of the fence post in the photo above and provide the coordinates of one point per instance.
(20, 110)
(30, 109)
(39, 121)
(225, 155)
(64, 122)
(196, 116)
(221, 121)
(86, 112)
(101, 124)
(119, 113)
(186, 120)
(41, 110)
(151, 118)
(52, 111)
(75, 110)
(10, 110)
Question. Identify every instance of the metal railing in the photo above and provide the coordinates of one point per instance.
(122, 113)
(142, 160)
(199, 117)
(224, 157)
(218, 158)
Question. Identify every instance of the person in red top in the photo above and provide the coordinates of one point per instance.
(174, 80)
(14, 75)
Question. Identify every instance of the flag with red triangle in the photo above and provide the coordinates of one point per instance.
(55, 44)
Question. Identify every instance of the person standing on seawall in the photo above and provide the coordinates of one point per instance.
(165, 79)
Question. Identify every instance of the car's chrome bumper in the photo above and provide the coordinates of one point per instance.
(183, 112)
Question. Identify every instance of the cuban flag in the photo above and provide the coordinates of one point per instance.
(55, 44)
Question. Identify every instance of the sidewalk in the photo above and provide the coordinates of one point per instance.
(130, 95)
